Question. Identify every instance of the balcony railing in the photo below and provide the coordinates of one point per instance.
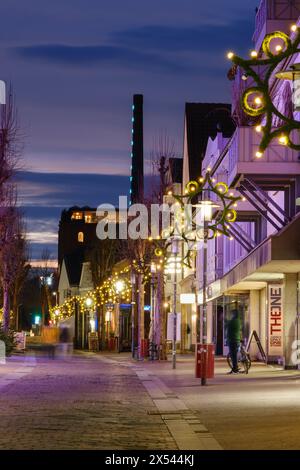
(241, 158)
(275, 10)
(260, 19)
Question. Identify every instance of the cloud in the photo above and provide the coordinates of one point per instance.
(42, 238)
(182, 39)
(67, 189)
(94, 55)
(43, 196)
(149, 47)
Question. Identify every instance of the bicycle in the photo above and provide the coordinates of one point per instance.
(244, 359)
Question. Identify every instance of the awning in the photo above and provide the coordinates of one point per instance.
(268, 262)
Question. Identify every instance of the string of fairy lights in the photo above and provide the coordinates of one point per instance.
(256, 101)
(117, 288)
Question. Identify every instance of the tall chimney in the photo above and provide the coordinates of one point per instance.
(137, 152)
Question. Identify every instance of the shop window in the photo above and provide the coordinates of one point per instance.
(80, 237)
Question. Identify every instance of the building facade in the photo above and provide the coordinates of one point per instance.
(257, 269)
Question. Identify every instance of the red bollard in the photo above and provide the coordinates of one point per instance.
(205, 361)
(144, 347)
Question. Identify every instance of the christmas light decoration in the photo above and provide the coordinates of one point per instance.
(186, 227)
(256, 101)
(114, 288)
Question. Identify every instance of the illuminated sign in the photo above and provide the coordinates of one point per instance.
(275, 320)
(187, 299)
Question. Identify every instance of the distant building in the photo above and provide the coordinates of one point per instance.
(77, 232)
(82, 260)
(202, 121)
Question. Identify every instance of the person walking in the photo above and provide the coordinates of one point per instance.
(234, 339)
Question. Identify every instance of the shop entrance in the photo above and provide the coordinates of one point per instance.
(223, 308)
(125, 328)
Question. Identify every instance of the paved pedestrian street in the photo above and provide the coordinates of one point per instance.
(108, 401)
(78, 403)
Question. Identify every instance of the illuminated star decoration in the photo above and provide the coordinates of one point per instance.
(256, 101)
(223, 204)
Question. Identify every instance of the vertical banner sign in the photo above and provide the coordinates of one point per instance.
(170, 327)
(296, 94)
(275, 320)
(2, 92)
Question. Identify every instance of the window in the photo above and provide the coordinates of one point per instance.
(67, 293)
(76, 216)
(80, 237)
(88, 218)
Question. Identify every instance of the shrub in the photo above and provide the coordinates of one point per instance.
(9, 341)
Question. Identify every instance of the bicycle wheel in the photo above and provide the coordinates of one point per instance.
(246, 363)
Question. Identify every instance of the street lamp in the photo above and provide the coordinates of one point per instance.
(205, 211)
(133, 281)
(84, 329)
(56, 313)
(56, 297)
(153, 269)
(174, 267)
(205, 190)
(119, 288)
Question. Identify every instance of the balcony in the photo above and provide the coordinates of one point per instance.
(240, 158)
(274, 15)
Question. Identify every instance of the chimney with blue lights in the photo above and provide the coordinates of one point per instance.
(137, 152)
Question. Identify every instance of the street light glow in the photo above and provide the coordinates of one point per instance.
(119, 286)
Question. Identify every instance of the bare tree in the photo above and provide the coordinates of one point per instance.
(137, 252)
(10, 229)
(102, 257)
(22, 268)
(46, 275)
(10, 247)
(11, 140)
(163, 151)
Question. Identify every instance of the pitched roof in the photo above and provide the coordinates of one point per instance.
(73, 263)
(204, 120)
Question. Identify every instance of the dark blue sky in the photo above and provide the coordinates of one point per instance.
(75, 65)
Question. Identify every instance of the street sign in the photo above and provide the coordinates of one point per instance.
(170, 327)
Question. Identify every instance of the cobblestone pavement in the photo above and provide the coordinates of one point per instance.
(77, 403)
(259, 411)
